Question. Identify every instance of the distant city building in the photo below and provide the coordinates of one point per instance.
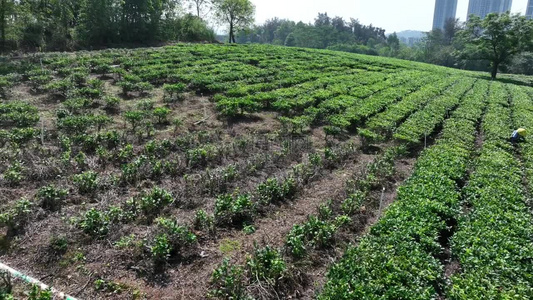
(482, 8)
(444, 10)
(410, 41)
(529, 12)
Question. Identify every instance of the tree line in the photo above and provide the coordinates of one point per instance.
(496, 43)
(49, 25)
(325, 33)
(499, 42)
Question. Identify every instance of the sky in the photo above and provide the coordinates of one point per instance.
(392, 15)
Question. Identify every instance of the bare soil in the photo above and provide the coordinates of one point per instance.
(85, 259)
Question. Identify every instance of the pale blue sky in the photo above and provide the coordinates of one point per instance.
(392, 15)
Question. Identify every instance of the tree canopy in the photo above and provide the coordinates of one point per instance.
(70, 24)
(238, 14)
(496, 38)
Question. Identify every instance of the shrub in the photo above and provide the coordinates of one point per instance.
(146, 105)
(267, 265)
(88, 92)
(152, 203)
(174, 91)
(60, 88)
(160, 249)
(112, 103)
(15, 218)
(202, 221)
(233, 209)
(161, 113)
(13, 174)
(126, 153)
(108, 286)
(227, 282)
(18, 114)
(313, 233)
(51, 198)
(354, 202)
(171, 240)
(75, 105)
(101, 121)
(74, 125)
(272, 191)
(134, 118)
(94, 223)
(87, 182)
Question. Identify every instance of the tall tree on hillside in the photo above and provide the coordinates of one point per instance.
(238, 14)
(497, 38)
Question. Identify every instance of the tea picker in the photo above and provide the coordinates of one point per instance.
(518, 135)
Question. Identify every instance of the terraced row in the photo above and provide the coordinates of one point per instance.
(401, 256)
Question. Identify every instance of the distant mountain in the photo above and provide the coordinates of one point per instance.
(410, 34)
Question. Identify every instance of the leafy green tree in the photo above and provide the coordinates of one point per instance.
(96, 24)
(497, 38)
(238, 14)
(6, 7)
(393, 42)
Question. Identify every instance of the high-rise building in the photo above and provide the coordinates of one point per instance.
(529, 11)
(444, 10)
(484, 7)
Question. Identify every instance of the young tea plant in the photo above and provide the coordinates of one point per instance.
(51, 198)
(87, 182)
(228, 282)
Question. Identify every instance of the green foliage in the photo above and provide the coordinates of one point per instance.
(15, 218)
(233, 209)
(238, 13)
(227, 282)
(202, 220)
(59, 244)
(174, 91)
(13, 174)
(407, 236)
(95, 223)
(494, 38)
(37, 294)
(106, 286)
(20, 114)
(267, 264)
(248, 229)
(51, 198)
(87, 182)
(161, 113)
(151, 203)
(314, 233)
(134, 118)
(112, 103)
(172, 239)
(274, 191)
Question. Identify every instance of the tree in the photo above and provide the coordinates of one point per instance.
(6, 9)
(3, 24)
(238, 14)
(198, 6)
(497, 38)
(451, 27)
(394, 42)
